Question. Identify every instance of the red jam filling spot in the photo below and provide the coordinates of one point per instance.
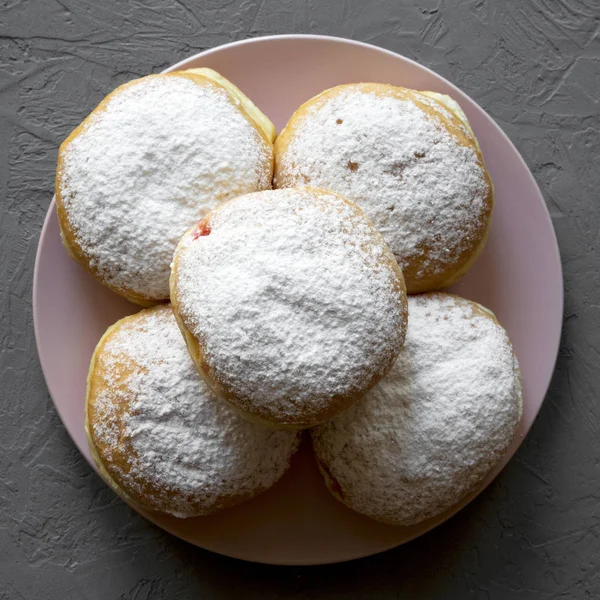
(202, 230)
(336, 488)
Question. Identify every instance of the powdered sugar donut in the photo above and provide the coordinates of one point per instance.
(429, 432)
(409, 159)
(159, 436)
(157, 154)
(291, 303)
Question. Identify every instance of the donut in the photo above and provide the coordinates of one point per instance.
(149, 161)
(158, 435)
(291, 303)
(436, 424)
(409, 159)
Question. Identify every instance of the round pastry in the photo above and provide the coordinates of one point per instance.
(155, 156)
(441, 419)
(409, 159)
(291, 303)
(159, 436)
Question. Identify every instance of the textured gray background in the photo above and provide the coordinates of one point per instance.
(534, 65)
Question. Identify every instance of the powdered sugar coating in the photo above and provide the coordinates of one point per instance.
(429, 432)
(424, 190)
(296, 301)
(161, 433)
(161, 153)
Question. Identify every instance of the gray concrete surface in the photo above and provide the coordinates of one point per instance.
(534, 65)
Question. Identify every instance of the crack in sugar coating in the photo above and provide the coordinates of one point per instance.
(424, 191)
(294, 300)
(435, 425)
(162, 433)
(163, 152)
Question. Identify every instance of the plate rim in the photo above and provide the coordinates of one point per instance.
(539, 197)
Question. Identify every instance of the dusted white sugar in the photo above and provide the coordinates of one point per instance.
(423, 190)
(163, 152)
(192, 448)
(436, 424)
(292, 301)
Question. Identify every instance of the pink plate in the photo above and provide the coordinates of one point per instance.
(518, 277)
